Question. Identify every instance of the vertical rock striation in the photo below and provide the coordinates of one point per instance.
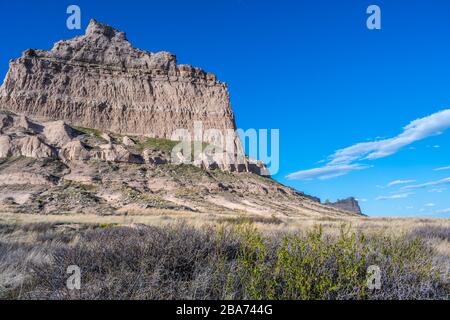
(99, 80)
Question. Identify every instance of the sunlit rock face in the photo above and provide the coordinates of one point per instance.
(99, 80)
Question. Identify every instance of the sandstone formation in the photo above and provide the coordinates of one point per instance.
(28, 146)
(58, 133)
(101, 81)
(23, 137)
(74, 151)
(51, 167)
(349, 204)
(86, 131)
(128, 141)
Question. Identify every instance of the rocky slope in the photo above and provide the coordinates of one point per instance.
(54, 168)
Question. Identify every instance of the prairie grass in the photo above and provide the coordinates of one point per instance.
(228, 261)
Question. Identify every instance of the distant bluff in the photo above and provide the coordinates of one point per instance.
(99, 80)
(349, 204)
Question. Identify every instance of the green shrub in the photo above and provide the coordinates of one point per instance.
(164, 145)
(253, 264)
(318, 267)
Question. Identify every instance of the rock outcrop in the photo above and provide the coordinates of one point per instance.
(116, 153)
(27, 146)
(86, 131)
(21, 136)
(58, 133)
(349, 204)
(101, 81)
(74, 151)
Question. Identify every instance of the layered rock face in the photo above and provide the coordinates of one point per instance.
(83, 134)
(21, 136)
(349, 204)
(53, 168)
(100, 81)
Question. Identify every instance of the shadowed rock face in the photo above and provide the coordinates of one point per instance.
(100, 81)
(349, 204)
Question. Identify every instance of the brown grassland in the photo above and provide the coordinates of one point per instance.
(163, 254)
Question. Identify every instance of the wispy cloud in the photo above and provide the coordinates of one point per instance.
(326, 172)
(444, 211)
(428, 184)
(438, 190)
(395, 196)
(416, 130)
(442, 168)
(399, 182)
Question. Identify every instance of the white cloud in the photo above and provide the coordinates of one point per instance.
(428, 184)
(438, 190)
(399, 182)
(442, 168)
(395, 196)
(342, 161)
(326, 172)
(417, 130)
(430, 205)
(444, 211)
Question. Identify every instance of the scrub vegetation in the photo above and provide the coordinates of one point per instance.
(226, 261)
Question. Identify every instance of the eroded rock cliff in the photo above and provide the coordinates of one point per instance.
(349, 204)
(85, 132)
(99, 80)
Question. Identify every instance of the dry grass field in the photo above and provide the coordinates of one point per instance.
(163, 254)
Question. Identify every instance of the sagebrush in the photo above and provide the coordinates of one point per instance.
(225, 262)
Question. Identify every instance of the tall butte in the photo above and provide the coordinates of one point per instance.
(99, 80)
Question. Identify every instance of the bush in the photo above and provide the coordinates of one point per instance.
(237, 262)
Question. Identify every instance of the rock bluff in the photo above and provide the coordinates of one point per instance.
(99, 80)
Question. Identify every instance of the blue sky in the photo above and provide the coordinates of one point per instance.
(309, 68)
